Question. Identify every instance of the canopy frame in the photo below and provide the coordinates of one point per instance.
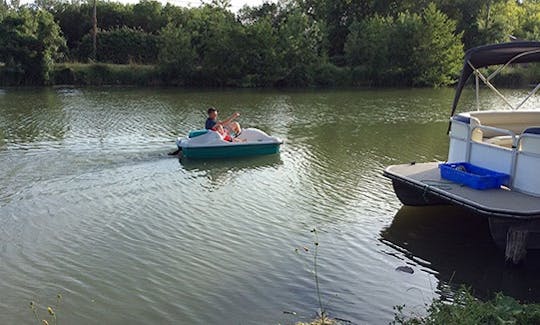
(504, 55)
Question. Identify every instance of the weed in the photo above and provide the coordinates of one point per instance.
(322, 317)
(466, 309)
(51, 316)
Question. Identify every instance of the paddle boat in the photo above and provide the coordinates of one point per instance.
(493, 166)
(205, 144)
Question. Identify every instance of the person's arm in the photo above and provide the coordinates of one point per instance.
(230, 119)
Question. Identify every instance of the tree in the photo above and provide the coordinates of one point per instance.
(410, 49)
(122, 46)
(439, 53)
(259, 58)
(337, 16)
(300, 46)
(30, 41)
(529, 19)
(215, 36)
(176, 55)
(147, 15)
(367, 43)
(497, 21)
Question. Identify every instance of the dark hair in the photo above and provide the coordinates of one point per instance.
(211, 109)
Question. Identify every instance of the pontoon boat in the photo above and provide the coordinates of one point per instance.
(498, 140)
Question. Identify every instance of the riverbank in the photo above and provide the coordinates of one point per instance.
(98, 74)
(466, 309)
(147, 75)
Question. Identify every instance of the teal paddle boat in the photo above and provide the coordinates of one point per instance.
(205, 144)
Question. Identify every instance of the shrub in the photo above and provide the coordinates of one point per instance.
(466, 309)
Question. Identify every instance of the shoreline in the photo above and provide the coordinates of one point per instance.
(145, 75)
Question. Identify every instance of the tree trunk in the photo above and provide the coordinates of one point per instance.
(488, 14)
(94, 33)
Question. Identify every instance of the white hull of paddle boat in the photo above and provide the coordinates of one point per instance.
(206, 144)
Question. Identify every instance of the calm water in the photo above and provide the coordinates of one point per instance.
(92, 207)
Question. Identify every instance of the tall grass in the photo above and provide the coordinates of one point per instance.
(98, 74)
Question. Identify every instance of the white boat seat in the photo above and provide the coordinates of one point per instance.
(515, 121)
(501, 140)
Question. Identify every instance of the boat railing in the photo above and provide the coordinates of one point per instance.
(520, 159)
(492, 156)
(495, 130)
(526, 177)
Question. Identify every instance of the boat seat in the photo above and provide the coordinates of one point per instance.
(196, 133)
(515, 121)
(501, 140)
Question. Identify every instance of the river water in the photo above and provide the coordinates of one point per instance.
(92, 207)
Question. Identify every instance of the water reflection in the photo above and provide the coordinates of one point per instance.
(457, 246)
(99, 210)
(220, 172)
(40, 117)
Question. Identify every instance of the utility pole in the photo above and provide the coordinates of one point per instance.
(94, 33)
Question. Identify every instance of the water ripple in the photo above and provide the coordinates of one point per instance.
(91, 206)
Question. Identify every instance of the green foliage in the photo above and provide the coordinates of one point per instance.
(337, 16)
(107, 74)
(409, 49)
(466, 309)
(368, 45)
(529, 18)
(30, 42)
(329, 75)
(121, 45)
(439, 51)
(260, 58)
(147, 15)
(216, 38)
(292, 43)
(176, 55)
(497, 21)
(299, 47)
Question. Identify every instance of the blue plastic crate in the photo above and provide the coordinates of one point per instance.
(473, 176)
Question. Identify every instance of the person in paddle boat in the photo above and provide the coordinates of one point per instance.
(228, 128)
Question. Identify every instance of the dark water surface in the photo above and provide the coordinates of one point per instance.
(92, 207)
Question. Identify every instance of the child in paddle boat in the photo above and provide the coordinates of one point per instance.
(227, 128)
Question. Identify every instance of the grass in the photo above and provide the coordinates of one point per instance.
(466, 309)
(99, 74)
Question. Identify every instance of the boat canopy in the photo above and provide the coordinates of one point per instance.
(496, 54)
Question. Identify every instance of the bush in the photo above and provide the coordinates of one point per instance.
(329, 75)
(11, 76)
